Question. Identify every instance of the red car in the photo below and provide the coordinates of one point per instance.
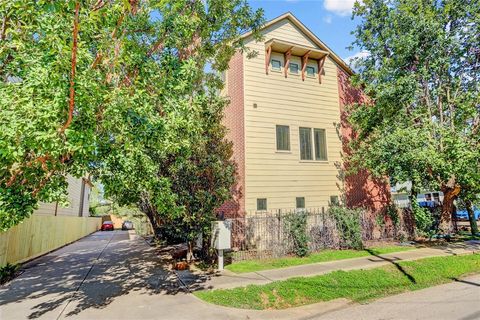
(107, 226)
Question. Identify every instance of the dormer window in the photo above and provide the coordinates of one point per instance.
(311, 59)
(294, 68)
(310, 71)
(276, 65)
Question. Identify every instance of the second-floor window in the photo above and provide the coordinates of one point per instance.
(306, 144)
(283, 138)
(317, 148)
(320, 144)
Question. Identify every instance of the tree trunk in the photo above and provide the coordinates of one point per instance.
(450, 193)
(153, 221)
(190, 252)
(471, 217)
(151, 214)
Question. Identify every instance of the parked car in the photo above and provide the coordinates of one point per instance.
(107, 226)
(127, 225)
(463, 214)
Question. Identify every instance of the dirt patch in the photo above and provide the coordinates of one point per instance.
(265, 301)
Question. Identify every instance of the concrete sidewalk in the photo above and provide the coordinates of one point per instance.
(228, 279)
(112, 275)
(457, 300)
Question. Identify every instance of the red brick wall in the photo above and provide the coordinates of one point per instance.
(234, 120)
(361, 190)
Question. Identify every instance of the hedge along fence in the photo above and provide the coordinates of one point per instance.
(269, 234)
(40, 234)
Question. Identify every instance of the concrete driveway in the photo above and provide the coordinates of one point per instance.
(115, 275)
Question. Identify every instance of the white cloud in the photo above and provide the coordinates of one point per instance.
(327, 19)
(340, 7)
(351, 59)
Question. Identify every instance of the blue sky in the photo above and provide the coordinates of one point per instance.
(330, 20)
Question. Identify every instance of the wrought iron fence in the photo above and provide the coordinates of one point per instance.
(265, 234)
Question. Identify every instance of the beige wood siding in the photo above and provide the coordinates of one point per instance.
(282, 176)
(74, 194)
(86, 201)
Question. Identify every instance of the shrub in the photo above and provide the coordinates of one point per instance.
(296, 227)
(348, 226)
(393, 213)
(7, 272)
(423, 220)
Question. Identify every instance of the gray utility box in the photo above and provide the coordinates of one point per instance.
(221, 234)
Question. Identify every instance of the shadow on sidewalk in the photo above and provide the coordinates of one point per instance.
(88, 275)
(393, 262)
(466, 282)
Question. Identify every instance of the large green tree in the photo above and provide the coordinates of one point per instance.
(116, 88)
(422, 75)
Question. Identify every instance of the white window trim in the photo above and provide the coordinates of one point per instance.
(313, 147)
(266, 205)
(298, 69)
(271, 65)
(304, 203)
(314, 73)
(289, 137)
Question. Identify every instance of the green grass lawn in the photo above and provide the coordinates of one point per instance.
(356, 285)
(323, 256)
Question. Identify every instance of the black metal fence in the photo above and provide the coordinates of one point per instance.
(266, 234)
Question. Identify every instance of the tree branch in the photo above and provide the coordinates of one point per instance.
(98, 5)
(3, 33)
(73, 68)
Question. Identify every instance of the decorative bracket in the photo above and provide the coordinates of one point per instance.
(304, 63)
(286, 58)
(321, 63)
(267, 58)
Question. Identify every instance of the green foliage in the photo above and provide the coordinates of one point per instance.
(422, 121)
(423, 220)
(348, 226)
(296, 227)
(322, 256)
(7, 272)
(356, 285)
(145, 111)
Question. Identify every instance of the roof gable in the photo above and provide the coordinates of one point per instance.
(286, 30)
